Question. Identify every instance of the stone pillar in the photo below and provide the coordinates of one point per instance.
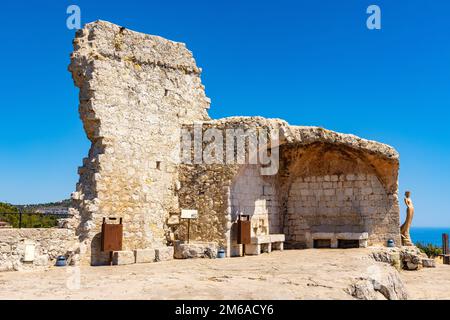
(136, 91)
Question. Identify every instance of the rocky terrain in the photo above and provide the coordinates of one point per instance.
(291, 274)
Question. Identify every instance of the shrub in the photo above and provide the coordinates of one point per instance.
(429, 249)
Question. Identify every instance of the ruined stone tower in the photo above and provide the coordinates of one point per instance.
(135, 92)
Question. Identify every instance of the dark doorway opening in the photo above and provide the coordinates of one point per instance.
(322, 243)
(348, 244)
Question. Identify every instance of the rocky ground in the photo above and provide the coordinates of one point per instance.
(291, 274)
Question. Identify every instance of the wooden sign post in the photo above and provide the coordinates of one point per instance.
(189, 214)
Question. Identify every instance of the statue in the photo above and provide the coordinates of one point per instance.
(404, 229)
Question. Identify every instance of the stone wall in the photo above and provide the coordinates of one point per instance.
(255, 195)
(335, 189)
(135, 92)
(338, 204)
(220, 191)
(327, 182)
(45, 244)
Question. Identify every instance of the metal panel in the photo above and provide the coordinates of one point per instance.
(244, 231)
(112, 235)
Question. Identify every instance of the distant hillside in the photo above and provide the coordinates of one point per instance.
(46, 214)
(60, 207)
(7, 208)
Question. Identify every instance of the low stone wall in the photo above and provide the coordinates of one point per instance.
(22, 249)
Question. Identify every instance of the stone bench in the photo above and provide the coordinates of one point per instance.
(334, 238)
(265, 243)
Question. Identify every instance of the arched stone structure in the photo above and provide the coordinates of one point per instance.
(138, 91)
(328, 185)
(330, 190)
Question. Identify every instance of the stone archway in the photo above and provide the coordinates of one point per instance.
(334, 193)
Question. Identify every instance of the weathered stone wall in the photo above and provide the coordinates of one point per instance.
(216, 191)
(48, 243)
(255, 195)
(327, 181)
(135, 92)
(345, 203)
(335, 189)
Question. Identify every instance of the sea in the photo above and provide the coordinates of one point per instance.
(426, 235)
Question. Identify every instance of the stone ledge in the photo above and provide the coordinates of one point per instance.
(270, 238)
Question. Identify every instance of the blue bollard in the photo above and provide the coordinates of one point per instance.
(60, 261)
(221, 254)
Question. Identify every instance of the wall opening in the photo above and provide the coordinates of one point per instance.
(348, 244)
(322, 243)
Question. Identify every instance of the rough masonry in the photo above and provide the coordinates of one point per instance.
(137, 92)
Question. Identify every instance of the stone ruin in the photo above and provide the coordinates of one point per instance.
(139, 93)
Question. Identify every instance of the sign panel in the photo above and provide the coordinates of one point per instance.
(189, 214)
(29, 251)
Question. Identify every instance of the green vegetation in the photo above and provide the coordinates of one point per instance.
(33, 207)
(430, 250)
(7, 208)
(10, 214)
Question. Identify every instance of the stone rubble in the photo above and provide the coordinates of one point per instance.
(383, 286)
(406, 258)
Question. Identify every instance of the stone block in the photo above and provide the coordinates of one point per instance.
(349, 191)
(252, 249)
(145, 255)
(305, 192)
(41, 260)
(123, 257)
(193, 250)
(361, 177)
(173, 219)
(327, 185)
(428, 263)
(164, 253)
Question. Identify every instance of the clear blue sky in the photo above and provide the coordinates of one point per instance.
(309, 62)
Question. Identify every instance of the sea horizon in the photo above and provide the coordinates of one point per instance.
(426, 235)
